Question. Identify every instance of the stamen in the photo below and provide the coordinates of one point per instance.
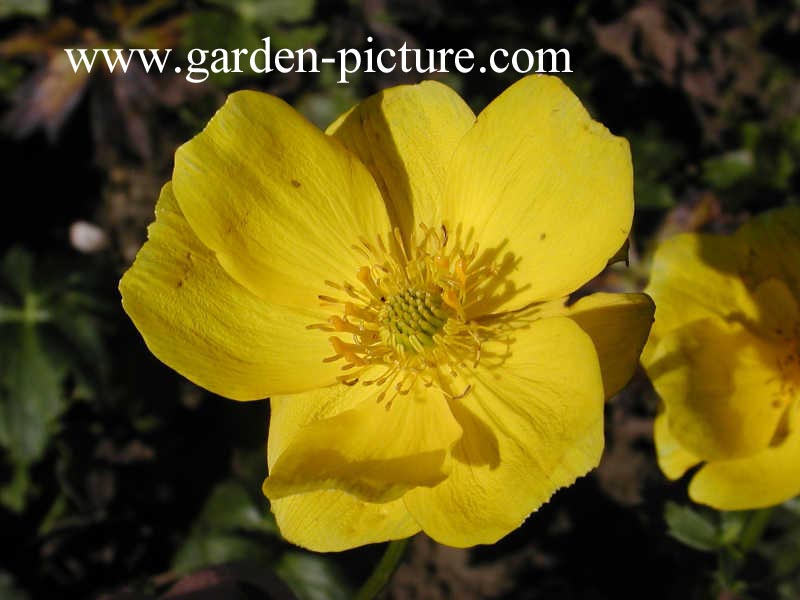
(405, 318)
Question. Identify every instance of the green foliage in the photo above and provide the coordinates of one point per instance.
(47, 332)
(9, 590)
(766, 163)
(312, 577)
(695, 529)
(219, 533)
(234, 526)
(656, 161)
(267, 13)
(244, 24)
(27, 8)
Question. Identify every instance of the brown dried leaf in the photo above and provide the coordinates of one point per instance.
(47, 98)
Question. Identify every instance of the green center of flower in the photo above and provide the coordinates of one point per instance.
(407, 314)
(411, 318)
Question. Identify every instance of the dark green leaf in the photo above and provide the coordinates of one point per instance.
(690, 527)
(9, 590)
(312, 577)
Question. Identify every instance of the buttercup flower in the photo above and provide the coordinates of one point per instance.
(724, 356)
(397, 287)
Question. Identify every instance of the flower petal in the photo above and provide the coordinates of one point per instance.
(673, 458)
(618, 325)
(279, 202)
(770, 477)
(721, 388)
(541, 184)
(332, 520)
(370, 449)
(210, 329)
(532, 424)
(696, 276)
(406, 136)
(773, 241)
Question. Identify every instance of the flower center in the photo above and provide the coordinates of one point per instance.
(407, 316)
(412, 318)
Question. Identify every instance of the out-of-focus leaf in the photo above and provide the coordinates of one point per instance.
(10, 76)
(655, 158)
(47, 98)
(9, 590)
(226, 529)
(274, 11)
(690, 527)
(18, 271)
(732, 523)
(14, 493)
(652, 195)
(31, 399)
(47, 331)
(209, 30)
(211, 548)
(231, 507)
(298, 38)
(726, 171)
(24, 8)
(312, 577)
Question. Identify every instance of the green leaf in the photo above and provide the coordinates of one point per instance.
(731, 525)
(9, 590)
(312, 577)
(31, 399)
(230, 527)
(48, 330)
(231, 507)
(17, 270)
(210, 548)
(726, 171)
(24, 8)
(274, 11)
(652, 195)
(14, 493)
(690, 527)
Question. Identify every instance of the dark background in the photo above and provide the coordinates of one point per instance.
(118, 477)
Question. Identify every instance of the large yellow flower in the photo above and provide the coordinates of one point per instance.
(724, 356)
(396, 285)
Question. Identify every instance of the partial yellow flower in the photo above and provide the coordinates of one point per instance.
(397, 286)
(724, 355)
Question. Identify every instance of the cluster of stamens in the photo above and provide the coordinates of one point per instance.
(408, 315)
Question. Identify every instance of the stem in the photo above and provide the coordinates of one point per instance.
(754, 528)
(732, 557)
(383, 572)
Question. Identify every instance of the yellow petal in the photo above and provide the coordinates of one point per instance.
(540, 183)
(673, 458)
(210, 329)
(370, 449)
(618, 325)
(773, 242)
(770, 477)
(332, 520)
(278, 201)
(532, 424)
(696, 276)
(406, 136)
(721, 388)
(779, 313)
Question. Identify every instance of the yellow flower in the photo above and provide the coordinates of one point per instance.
(396, 285)
(724, 355)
